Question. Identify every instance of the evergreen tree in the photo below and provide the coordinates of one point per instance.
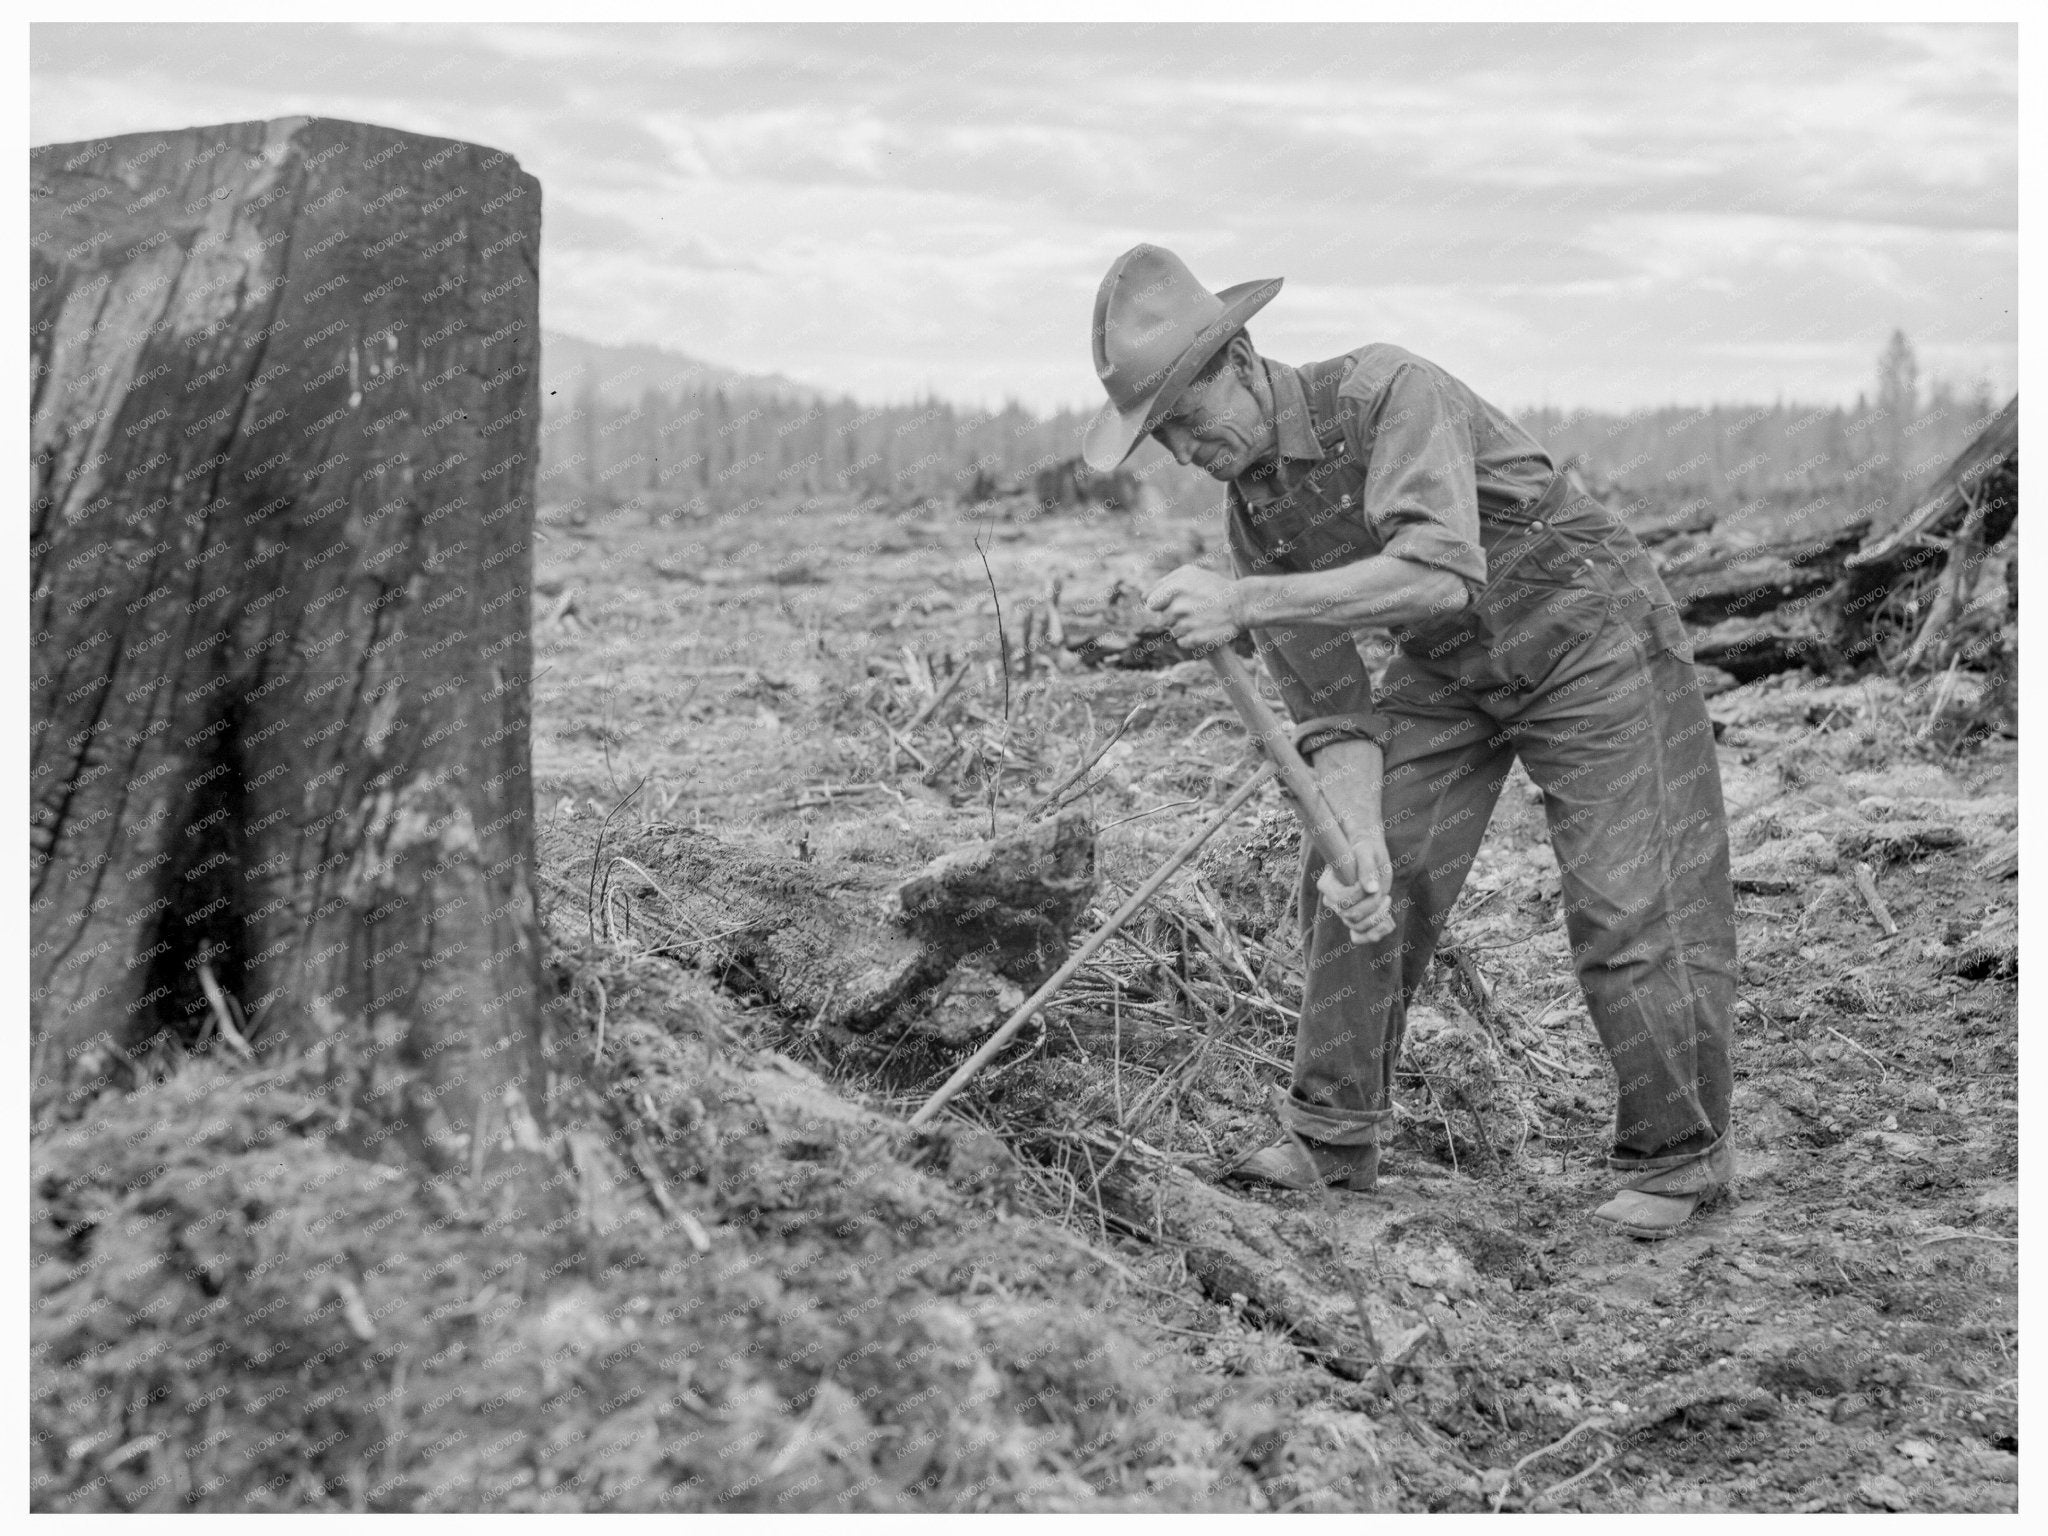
(1898, 403)
(589, 409)
(1898, 380)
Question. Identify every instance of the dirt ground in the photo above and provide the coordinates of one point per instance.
(1860, 1292)
(763, 1291)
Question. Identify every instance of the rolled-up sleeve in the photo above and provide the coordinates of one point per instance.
(1318, 669)
(1323, 683)
(1421, 498)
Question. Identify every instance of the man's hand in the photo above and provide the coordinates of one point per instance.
(1366, 908)
(1349, 775)
(1200, 607)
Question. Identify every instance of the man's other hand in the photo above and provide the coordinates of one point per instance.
(1366, 909)
(1200, 607)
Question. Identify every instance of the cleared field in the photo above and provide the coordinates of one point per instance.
(1844, 1330)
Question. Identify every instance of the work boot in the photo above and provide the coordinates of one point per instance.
(1658, 1204)
(1354, 1168)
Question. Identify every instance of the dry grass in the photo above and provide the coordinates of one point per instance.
(232, 1312)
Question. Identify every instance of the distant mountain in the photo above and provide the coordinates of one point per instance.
(623, 374)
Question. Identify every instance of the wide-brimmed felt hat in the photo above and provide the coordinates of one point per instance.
(1155, 326)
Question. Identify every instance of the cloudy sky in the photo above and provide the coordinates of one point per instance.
(1565, 215)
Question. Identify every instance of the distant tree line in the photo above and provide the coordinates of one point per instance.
(1864, 459)
(712, 449)
(701, 449)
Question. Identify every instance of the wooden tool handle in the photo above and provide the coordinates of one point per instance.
(1316, 816)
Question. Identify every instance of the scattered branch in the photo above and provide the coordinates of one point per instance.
(597, 852)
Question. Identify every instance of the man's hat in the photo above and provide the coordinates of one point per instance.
(1155, 327)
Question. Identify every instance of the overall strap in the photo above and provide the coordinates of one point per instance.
(1321, 382)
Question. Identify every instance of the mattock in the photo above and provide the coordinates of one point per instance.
(1317, 819)
(1320, 822)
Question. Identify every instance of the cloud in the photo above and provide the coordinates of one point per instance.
(797, 143)
(1597, 214)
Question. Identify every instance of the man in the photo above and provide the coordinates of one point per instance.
(1377, 490)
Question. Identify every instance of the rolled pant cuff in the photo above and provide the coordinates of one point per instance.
(1331, 1127)
(1683, 1173)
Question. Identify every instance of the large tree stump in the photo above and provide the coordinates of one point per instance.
(284, 387)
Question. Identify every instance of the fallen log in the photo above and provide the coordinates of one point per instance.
(1744, 583)
(1664, 527)
(1858, 596)
(849, 946)
(284, 412)
(1976, 475)
(1747, 649)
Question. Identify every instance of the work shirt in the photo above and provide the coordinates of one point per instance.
(1382, 452)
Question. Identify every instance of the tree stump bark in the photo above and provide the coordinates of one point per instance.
(285, 398)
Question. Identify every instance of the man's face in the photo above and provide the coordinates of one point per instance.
(1218, 426)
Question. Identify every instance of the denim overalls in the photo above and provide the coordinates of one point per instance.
(1573, 658)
